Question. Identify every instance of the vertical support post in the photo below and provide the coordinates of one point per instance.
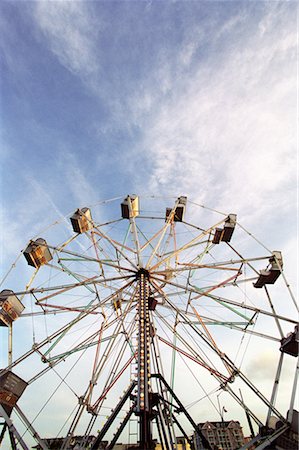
(159, 433)
(291, 410)
(10, 344)
(30, 428)
(143, 390)
(12, 441)
(12, 428)
(252, 434)
(275, 387)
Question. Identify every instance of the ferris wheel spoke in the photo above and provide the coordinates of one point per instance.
(162, 234)
(29, 283)
(245, 407)
(207, 333)
(110, 382)
(61, 289)
(238, 326)
(98, 230)
(96, 411)
(115, 379)
(243, 306)
(203, 292)
(79, 257)
(225, 301)
(97, 249)
(75, 275)
(59, 308)
(217, 286)
(274, 312)
(183, 352)
(185, 246)
(78, 348)
(169, 242)
(199, 333)
(193, 353)
(47, 340)
(59, 335)
(50, 366)
(119, 326)
(96, 359)
(134, 230)
(249, 260)
(117, 246)
(80, 317)
(231, 262)
(95, 376)
(67, 242)
(107, 256)
(140, 303)
(260, 395)
(186, 267)
(107, 262)
(148, 242)
(168, 282)
(212, 320)
(55, 360)
(204, 252)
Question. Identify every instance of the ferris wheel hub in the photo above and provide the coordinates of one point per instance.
(141, 272)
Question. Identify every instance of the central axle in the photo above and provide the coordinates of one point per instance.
(144, 384)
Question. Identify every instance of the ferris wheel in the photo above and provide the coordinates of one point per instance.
(136, 318)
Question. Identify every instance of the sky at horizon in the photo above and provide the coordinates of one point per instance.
(100, 99)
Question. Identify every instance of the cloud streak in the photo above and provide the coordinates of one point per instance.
(68, 26)
(228, 134)
(76, 179)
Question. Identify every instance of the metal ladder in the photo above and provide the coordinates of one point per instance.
(133, 377)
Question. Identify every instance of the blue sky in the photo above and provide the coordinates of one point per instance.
(197, 98)
(104, 98)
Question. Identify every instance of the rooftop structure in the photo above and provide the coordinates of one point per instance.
(57, 443)
(224, 435)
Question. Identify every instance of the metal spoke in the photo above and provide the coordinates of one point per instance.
(151, 300)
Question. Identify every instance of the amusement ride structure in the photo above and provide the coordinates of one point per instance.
(138, 314)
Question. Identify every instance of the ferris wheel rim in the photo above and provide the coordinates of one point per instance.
(157, 277)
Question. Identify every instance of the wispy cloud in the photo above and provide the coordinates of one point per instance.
(228, 133)
(68, 28)
(76, 181)
(214, 117)
(23, 219)
(44, 195)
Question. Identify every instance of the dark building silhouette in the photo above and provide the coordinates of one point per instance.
(224, 435)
